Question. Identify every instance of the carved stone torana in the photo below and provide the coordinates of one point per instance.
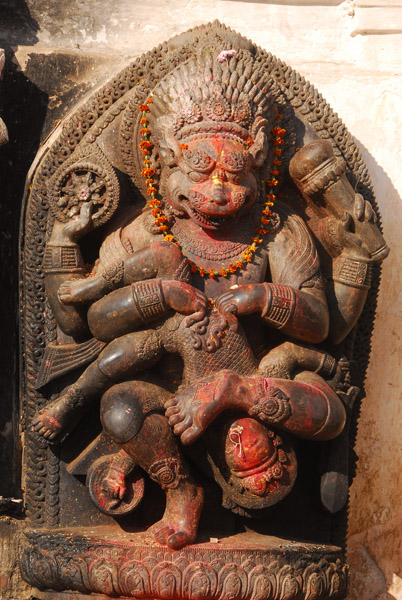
(196, 261)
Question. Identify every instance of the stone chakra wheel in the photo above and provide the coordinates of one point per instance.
(81, 182)
(135, 484)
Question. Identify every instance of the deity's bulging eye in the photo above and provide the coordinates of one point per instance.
(235, 162)
(235, 177)
(199, 160)
(197, 177)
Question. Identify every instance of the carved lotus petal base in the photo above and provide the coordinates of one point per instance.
(247, 566)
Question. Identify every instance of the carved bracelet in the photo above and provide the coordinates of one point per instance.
(353, 273)
(327, 366)
(149, 300)
(323, 176)
(281, 300)
(123, 462)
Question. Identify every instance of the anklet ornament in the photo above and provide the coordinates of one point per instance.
(75, 398)
(272, 405)
(168, 473)
(114, 275)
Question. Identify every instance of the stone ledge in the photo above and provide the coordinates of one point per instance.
(246, 566)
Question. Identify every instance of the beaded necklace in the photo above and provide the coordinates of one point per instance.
(161, 221)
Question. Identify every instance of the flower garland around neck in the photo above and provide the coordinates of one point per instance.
(156, 205)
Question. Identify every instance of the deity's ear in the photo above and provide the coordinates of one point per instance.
(169, 149)
(259, 150)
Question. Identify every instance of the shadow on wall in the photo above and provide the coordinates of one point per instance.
(375, 554)
(23, 109)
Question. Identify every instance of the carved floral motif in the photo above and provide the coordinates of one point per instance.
(196, 573)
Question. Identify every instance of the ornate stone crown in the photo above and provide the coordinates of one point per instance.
(235, 97)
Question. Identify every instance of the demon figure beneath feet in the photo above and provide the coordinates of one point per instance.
(251, 263)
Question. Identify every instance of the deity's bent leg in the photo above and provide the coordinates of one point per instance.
(149, 440)
(121, 358)
(306, 406)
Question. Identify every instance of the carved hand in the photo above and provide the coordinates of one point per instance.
(183, 298)
(244, 299)
(76, 228)
(340, 236)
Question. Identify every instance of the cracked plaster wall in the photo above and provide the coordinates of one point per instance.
(350, 50)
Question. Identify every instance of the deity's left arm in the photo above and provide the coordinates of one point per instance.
(347, 228)
(295, 299)
(351, 273)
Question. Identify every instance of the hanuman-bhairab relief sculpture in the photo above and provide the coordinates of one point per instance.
(197, 253)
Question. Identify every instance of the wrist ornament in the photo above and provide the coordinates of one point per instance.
(123, 462)
(327, 366)
(63, 259)
(149, 300)
(280, 304)
(353, 272)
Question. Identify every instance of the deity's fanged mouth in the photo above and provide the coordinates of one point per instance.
(210, 221)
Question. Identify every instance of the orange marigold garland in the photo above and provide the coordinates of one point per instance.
(156, 205)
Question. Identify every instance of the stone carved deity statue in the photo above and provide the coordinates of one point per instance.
(245, 273)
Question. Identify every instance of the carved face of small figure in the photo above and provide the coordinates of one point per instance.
(214, 184)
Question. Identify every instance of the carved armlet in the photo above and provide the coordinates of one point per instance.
(280, 304)
(149, 300)
(63, 259)
(353, 272)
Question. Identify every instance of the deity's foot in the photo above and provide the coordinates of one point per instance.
(197, 406)
(56, 421)
(82, 290)
(179, 524)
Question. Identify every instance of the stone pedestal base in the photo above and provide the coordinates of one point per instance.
(246, 566)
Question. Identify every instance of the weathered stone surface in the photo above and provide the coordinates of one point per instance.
(375, 557)
(341, 56)
(367, 581)
(12, 587)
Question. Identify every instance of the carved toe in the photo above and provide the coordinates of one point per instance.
(177, 540)
(190, 435)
